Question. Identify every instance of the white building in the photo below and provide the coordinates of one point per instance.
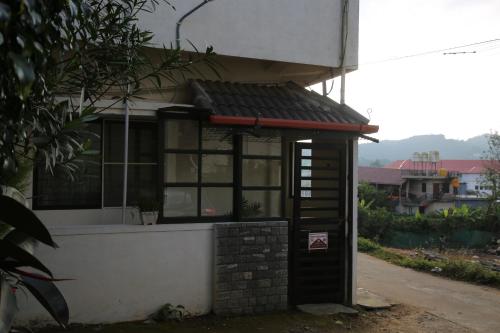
(215, 162)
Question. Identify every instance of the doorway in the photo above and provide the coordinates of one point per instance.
(318, 227)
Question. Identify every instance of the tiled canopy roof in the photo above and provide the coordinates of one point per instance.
(283, 105)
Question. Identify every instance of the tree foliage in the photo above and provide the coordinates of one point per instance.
(57, 59)
(81, 48)
(370, 196)
(491, 163)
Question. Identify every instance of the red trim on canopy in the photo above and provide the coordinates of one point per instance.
(287, 123)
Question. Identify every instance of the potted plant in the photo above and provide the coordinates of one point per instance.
(149, 208)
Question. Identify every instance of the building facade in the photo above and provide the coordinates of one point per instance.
(254, 176)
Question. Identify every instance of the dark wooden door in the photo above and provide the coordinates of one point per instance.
(435, 191)
(318, 275)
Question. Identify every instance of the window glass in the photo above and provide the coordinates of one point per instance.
(142, 142)
(84, 191)
(265, 203)
(141, 184)
(180, 201)
(181, 168)
(181, 134)
(216, 201)
(217, 169)
(261, 146)
(59, 190)
(216, 139)
(258, 172)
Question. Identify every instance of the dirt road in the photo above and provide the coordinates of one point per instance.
(468, 305)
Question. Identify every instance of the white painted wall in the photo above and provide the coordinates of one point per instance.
(79, 217)
(125, 273)
(472, 180)
(298, 31)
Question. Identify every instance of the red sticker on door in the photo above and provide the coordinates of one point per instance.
(318, 241)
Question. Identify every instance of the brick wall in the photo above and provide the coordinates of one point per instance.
(251, 267)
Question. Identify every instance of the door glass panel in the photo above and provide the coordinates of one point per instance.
(306, 173)
(216, 201)
(305, 183)
(319, 194)
(180, 201)
(319, 173)
(306, 152)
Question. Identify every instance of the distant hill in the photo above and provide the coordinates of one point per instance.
(379, 154)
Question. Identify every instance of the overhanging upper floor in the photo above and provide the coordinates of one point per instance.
(283, 31)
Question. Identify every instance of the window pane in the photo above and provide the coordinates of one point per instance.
(60, 191)
(216, 201)
(261, 204)
(141, 184)
(261, 172)
(142, 143)
(261, 146)
(216, 139)
(217, 169)
(181, 134)
(181, 168)
(84, 190)
(180, 201)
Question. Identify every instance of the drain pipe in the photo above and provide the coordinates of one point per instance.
(179, 23)
(344, 29)
(342, 86)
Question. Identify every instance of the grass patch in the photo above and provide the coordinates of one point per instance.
(454, 269)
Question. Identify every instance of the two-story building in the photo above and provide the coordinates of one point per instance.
(255, 175)
(441, 184)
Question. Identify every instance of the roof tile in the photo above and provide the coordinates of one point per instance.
(282, 101)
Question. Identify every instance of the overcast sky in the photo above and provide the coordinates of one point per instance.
(454, 95)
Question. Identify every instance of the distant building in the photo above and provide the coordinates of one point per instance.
(470, 174)
(385, 179)
(431, 184)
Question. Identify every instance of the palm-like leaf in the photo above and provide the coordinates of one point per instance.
(49, 296)
(23, 219)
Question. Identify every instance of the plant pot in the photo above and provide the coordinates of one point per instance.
(149, 218)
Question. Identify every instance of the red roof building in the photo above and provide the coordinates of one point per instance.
(380, 176)
(460, 166)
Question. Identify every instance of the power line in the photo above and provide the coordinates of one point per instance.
(429, 52)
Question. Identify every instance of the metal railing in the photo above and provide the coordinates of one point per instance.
(428, 173)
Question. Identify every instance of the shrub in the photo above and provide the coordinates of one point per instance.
(366, 245)
(378, 223)
(455, 269)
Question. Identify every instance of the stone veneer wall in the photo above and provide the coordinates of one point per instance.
(251, 267)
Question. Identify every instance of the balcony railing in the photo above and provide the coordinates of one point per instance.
(429, 173)
(427, 197)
